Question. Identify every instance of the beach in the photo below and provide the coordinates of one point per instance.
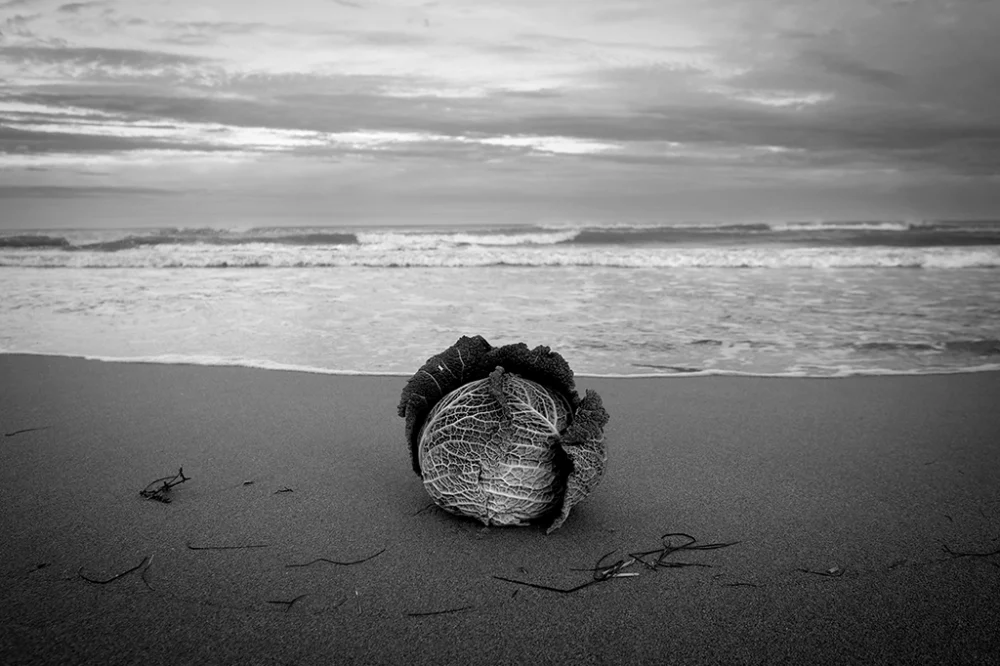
(864, 511)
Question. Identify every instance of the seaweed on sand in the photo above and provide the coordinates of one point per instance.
(651, 560)
(156, 492)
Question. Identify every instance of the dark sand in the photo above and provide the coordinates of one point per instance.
(873, 476)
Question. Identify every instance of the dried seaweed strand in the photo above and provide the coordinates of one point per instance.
(24, 430)
(664, 552)
(288, 604)
(690, 545)
(602, 572)
(957, 554)
(116, 576)
(254, 545)
(168, 482)
(441, 612)
(547, 587)
(641, 559)
(343, 564)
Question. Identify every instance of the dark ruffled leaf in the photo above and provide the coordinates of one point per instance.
(583, 443)
(465, 361)
(540, 364)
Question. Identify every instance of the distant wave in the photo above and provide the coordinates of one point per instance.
(295, 239)
(775, 245)
(815, 234)
(179, 237)
(33, 241)
(448, 240)
(803, 234)
(282, 256)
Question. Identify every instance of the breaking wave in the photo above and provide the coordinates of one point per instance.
(776, 245)
(266, 255)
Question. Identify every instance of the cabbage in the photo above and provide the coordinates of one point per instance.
(501, 435)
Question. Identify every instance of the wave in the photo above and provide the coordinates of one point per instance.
(440, 240)
(984, 347)
(293, 239)
(268, 255)
(802, 234)
(816, 234)
(33, 241)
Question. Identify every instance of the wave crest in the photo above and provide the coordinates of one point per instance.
(381, 254)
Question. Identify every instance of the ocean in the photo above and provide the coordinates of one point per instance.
(787, 299)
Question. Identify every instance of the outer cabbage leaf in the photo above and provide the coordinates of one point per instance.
(583, 443)
(500, 434)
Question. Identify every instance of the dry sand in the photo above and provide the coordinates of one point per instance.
(871, 476)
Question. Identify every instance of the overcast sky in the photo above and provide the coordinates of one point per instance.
(190, 113)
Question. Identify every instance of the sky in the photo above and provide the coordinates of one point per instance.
(355, 112)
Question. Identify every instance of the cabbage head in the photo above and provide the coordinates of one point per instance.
(501, 435)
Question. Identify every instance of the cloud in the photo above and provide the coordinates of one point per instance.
(65, 63)
(18, 25)
(72, 192)
(34, 120)
(208, 32)
(731, 91)
(550, 144)
(773, 98)
(843, 65)
(76, 7)
(98, 56)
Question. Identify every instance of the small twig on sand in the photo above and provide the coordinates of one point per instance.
(833, 572)
(441, 612)
(337, 562)
(254, 545)
(286, 489)
(142, 576)
(288, 604)
(956, 554)
(167, 482)
(116, 576)
(23, 430)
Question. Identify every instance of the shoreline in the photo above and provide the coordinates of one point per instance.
(285, 367)
(874, 478)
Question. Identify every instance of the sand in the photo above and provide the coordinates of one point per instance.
(872, 477)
